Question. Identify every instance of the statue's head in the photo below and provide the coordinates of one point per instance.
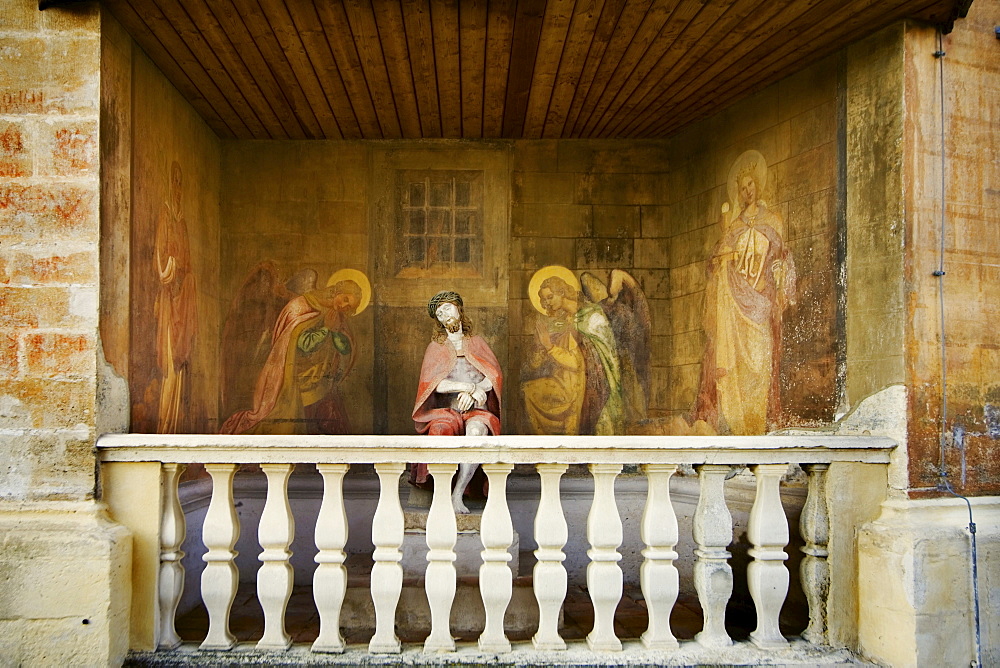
(447, 310)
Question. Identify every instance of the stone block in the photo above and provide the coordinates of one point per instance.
(693, 246)
(616, 221)
(46, 404)
(533, 253)
(56, 355)
(808, 172)
(687, 347)
(535, 156)
(809, 88)
(683, 389)
(688, 279)
(65, 599)
(655, 283)
(686, 313)
(659, 351)
(40, 307)
(654, 221)
(15, 149)
(652, 253)
(815, 213)
(82, 18)
(551, 220)
(813, 127)
(604, 253)
(67, 148)
(660, 314)
(542, 187)
(48, 265)
(621, 189)
(30, 212)
(611, 155)
(9, 346)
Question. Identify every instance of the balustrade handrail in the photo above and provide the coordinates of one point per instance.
(510, 449)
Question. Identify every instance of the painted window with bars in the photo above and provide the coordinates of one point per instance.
(440, 218)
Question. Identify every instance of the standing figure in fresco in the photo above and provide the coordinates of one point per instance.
(176, 306)
(751, 280)
(312, 350)
(460, 386)
(577, 386)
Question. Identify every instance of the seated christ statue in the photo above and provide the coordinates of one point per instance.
(460, 384)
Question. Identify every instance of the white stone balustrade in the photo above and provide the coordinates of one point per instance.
(714, 458)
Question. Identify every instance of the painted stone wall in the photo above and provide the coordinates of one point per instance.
(672, 250)
(970, 234)
(174, 291)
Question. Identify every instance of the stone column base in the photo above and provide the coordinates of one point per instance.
(65, 585)
(915, 583)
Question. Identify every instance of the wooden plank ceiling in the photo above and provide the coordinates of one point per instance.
(383, 69)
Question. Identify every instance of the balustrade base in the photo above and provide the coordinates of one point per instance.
(798, 653)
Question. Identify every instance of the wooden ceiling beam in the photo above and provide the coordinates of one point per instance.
(445, 27)
(524, 48)
(605, 29)
(555, 28)
(361, 22)
(582, 28)
(174, 19)
(195, 88)
(420, 45)
(499, 29)
(391, 29)
(345, 55)
(472, 19)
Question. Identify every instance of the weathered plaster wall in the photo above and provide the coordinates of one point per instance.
(971, 251)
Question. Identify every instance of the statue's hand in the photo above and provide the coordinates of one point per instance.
(465, 402)
(479, 397)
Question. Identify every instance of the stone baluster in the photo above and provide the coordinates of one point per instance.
(814, 571)
(330, 577)
(604, 575)
(496, 582)
(172, 530)
(658, 576)
(713, 576)
(275, 576)
(549, 574)
(767, 575)
(220, 578)
(387, 573)
(439, 579)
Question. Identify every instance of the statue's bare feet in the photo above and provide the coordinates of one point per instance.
(456, 503)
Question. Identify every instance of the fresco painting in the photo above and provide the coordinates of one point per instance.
(587, 372)
(751, 280)
(310, 350)
(176, 306)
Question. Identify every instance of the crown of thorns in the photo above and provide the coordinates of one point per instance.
(441, 298)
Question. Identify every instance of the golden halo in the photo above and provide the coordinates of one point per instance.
(359, 278)
(760, 175)
(546, 272)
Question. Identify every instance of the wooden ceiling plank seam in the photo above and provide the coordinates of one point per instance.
(334, 21)
(472, 18)
(605, 28)
(160, 55)
(551, 46)
(629, 26)
(596, 70)
(523, 52)
(733, 50)
(190, 35)
(582, 25)
(420, 45)
(641, 55)
(833, 35)
(444, 28)
(215, 39)
(687, 48)
(499, 30)
(361, 22)
(247, 51)
(392, 34)
(178, 48)
(788, 52)
(291, 69)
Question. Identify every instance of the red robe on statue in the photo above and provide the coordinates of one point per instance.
(431, 411)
